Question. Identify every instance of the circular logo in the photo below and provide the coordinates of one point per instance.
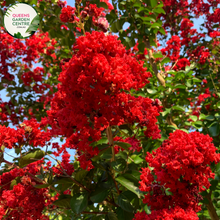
(21, 20)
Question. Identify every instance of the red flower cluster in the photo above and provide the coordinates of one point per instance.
(9, 49)
(173, 45)
(92, 94)
(22, 200)
(36, 44)
(67, 14)
(35, 76)
(28, 133)
(12, 51)
(94, 11)
(176, 213)
(180, 166)
(64, 165)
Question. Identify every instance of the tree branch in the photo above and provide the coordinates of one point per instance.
(110, 140)
(75, 181)
(153, 64)
(95, 213)
(211, 208)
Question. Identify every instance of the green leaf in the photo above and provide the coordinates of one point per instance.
(114, 28)
(153, 3)
(33, 2)
(111, 216)
(202, 116)
(147, 209)
(34, 24)
(63, 203)
(18, 35)
(135, 174)
(103, 140)
(31, 157)
(126, 129)
(141, 47)
(179, 86)
(196, 80)
(124, 145)
(214, 129)
(63, 181)
(218, 168)
(123, 215)
(214, 184)
(159, 11)
(41, 186)
(158, 55)
(193, 117)
(129, 182)
(162, 31)
(124, 203)
(210, 117)
(165, 60)
(79, 202)
(100, 154)
(80, 175)
(137, 5)
(167, 192)
(136, 159)
(198, 124)
(15, 182)
(103, 5)
(136, 16)
(99, 195)
(118, 25)
(152, 91)
(167, 111)
(147, 19)
(179, 108)
(119, 165)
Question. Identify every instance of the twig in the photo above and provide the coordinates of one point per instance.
(41, 181)
(211, 208)
(31, 175)
(174, 64)
(110, 140)
(95, 213)
(75, 181)
(213, 83)
(153, 64)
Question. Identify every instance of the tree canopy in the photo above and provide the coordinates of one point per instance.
(133, 87)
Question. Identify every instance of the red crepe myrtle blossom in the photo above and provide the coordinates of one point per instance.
(95, 11)
(172, 50)
(23, 200)
(100, 66)
(67, 14)
(176, 213)
(28, 132)
(65, 166)
(180, 166)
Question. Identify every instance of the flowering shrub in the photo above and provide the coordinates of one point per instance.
(115, 112)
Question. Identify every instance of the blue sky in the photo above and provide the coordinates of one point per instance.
(71, 2)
